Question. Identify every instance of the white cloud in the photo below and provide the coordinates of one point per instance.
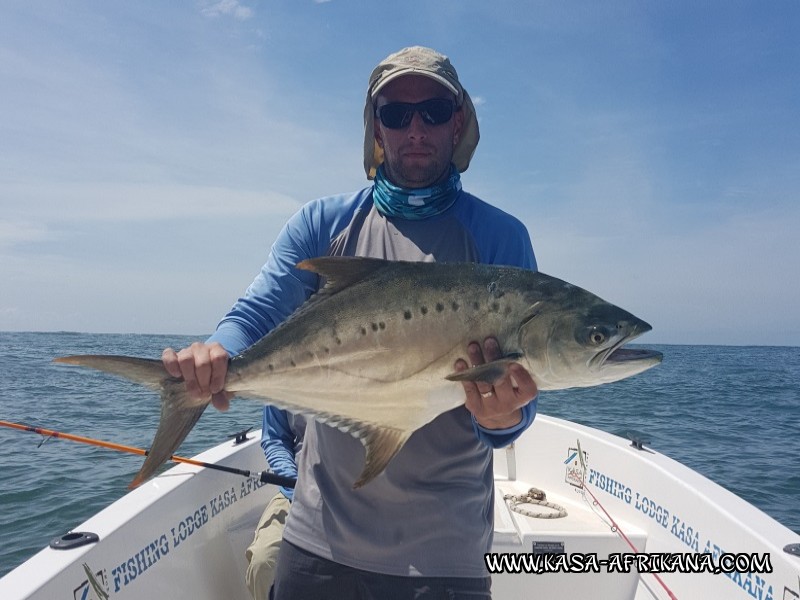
(21, 232)
(130, 202)
(229, 7)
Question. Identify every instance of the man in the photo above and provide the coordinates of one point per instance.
(281, 440)
(421, 528)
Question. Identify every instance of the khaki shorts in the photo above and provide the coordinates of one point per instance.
(262, 554)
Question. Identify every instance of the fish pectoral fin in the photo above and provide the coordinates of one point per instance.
(490, 372)
(381, 443)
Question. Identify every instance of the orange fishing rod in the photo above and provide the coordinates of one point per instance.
(264, 476)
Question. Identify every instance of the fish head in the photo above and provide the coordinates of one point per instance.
(575, 339)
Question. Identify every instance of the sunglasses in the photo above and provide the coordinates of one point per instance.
(398, 115)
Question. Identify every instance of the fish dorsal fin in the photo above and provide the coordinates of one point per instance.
(341, 272)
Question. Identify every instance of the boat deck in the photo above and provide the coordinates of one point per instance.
(185, 531)
(584, 535)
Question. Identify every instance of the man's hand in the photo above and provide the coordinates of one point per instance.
(203, 367)
(498, 406)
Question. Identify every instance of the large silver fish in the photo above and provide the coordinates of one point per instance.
(372, 353)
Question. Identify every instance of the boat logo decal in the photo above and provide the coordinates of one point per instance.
(791, 594)
(575, 467)
(94, 587)
(191, 520)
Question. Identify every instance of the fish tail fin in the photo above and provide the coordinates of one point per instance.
(381, 443)
(178, 417)
(145, 371)
(179, 413)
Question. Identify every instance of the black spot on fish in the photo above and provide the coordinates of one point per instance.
(291, 362)
(270, 367)
(338, 341)
(363, 331)
(439, 307)
(455, 305)
(407, 315)
(374, 327)
(495, 306)
(423, 310)
(382, 325)
(476, 305)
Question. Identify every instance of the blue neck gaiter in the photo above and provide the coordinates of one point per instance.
(414, 204)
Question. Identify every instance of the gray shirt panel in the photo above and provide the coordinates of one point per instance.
(431, 511)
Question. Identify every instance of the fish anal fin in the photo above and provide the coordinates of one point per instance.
(490, 372)
(382, 444)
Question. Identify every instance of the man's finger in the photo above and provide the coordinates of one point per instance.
(526, 387)
(491, 349)
(473, 396)
(219, 368)
(186, 363)
(221, 401)
(170, 359)
(202, 370)
(476, 357)
(475, 354)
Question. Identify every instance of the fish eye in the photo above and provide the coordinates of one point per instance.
(597, 336)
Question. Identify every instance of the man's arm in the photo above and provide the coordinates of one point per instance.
(272, 297)
(278, 443)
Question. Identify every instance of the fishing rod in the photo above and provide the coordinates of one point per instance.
(263, 477)
(615, 527)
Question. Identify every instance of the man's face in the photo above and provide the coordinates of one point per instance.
(418, 155)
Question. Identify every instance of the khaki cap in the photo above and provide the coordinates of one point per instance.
(418, 60)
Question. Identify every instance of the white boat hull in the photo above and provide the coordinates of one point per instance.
(184, 533)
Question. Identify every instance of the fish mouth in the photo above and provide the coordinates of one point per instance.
(628, 355)
(619, 357)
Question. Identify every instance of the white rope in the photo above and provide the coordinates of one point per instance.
(539, 498)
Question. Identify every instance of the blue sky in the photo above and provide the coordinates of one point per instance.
(150, 151)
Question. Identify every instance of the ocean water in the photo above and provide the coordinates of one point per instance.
(731, 413)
